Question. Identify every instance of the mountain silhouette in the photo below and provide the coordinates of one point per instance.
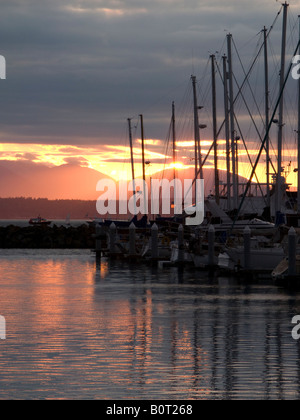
(75, 182)
(68, 181)
(189, 173)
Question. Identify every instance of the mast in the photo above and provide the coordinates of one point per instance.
(131, 158)
(143, 160)
(298, 183)
(267, 108)
(215, 136)
(174, 150)
(197, 137)
(131, 151)
(143, 146)
(232, 127)
(281, 104)
(225, 78)
(272, 119)
(174, 137)
(237, 138)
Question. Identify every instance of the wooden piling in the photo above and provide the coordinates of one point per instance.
(112, 238)
(211, 246)
(132, 240)
(98, 236)
(154, 242)
(292, 239)
(180, 245)
(247, 248)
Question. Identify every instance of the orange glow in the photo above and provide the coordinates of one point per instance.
(177, 165)
(191, 143)
(150, 142)
(111, 160)
(114, 160)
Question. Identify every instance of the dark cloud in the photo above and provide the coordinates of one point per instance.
(79, 161)
(77, 70)
(27, 156)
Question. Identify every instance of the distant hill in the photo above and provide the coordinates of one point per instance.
(28, 189)
(26, 208)
(72, 182)
(27, 179)
(208, 175)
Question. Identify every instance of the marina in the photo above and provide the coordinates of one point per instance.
(249, 227)
(242, 225)
(206, 249)
(152, 267)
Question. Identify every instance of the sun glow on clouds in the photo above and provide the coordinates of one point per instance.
(108, 12)
(114, 160)
(111, 160)
(177, 165)
(103, 10)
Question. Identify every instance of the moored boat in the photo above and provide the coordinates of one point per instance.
(39, 221)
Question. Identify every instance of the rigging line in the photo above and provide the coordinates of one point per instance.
(252, 119)
(167, 149)
(258, 133)
(277, 16)
(247, 79)
(205, 72)
(274, 91)
(252, 65)
(204, 100)
(222, 48)
(242, 95)
(204, 94)
(273, 77)
(125, 156)
(264, 140)
(237, 95)
(293, 26)
(250, 40)
(291, 117)
(183, 111)
(249, 157)
(198, 173)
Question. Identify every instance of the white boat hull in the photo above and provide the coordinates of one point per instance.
(262, 259)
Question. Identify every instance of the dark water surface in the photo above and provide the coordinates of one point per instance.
(80, 331)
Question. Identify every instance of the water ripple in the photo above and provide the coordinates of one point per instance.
(84, 331)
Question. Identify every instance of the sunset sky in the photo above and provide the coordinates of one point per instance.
(76, 70)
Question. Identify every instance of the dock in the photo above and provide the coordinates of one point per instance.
(245, 255)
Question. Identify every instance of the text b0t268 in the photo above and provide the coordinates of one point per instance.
(171, 409)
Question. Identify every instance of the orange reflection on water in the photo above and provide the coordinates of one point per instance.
(46, 289)
(114, 331)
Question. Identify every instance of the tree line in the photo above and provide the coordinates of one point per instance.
(23, 207)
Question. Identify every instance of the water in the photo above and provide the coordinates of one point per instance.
(80, 331)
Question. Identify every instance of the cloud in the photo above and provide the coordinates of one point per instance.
(27, 156)
(77, 70)
(76, 160)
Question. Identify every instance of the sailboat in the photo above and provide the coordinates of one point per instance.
(281, 271)
(230, 209)
(265, 254)
(39, 221)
